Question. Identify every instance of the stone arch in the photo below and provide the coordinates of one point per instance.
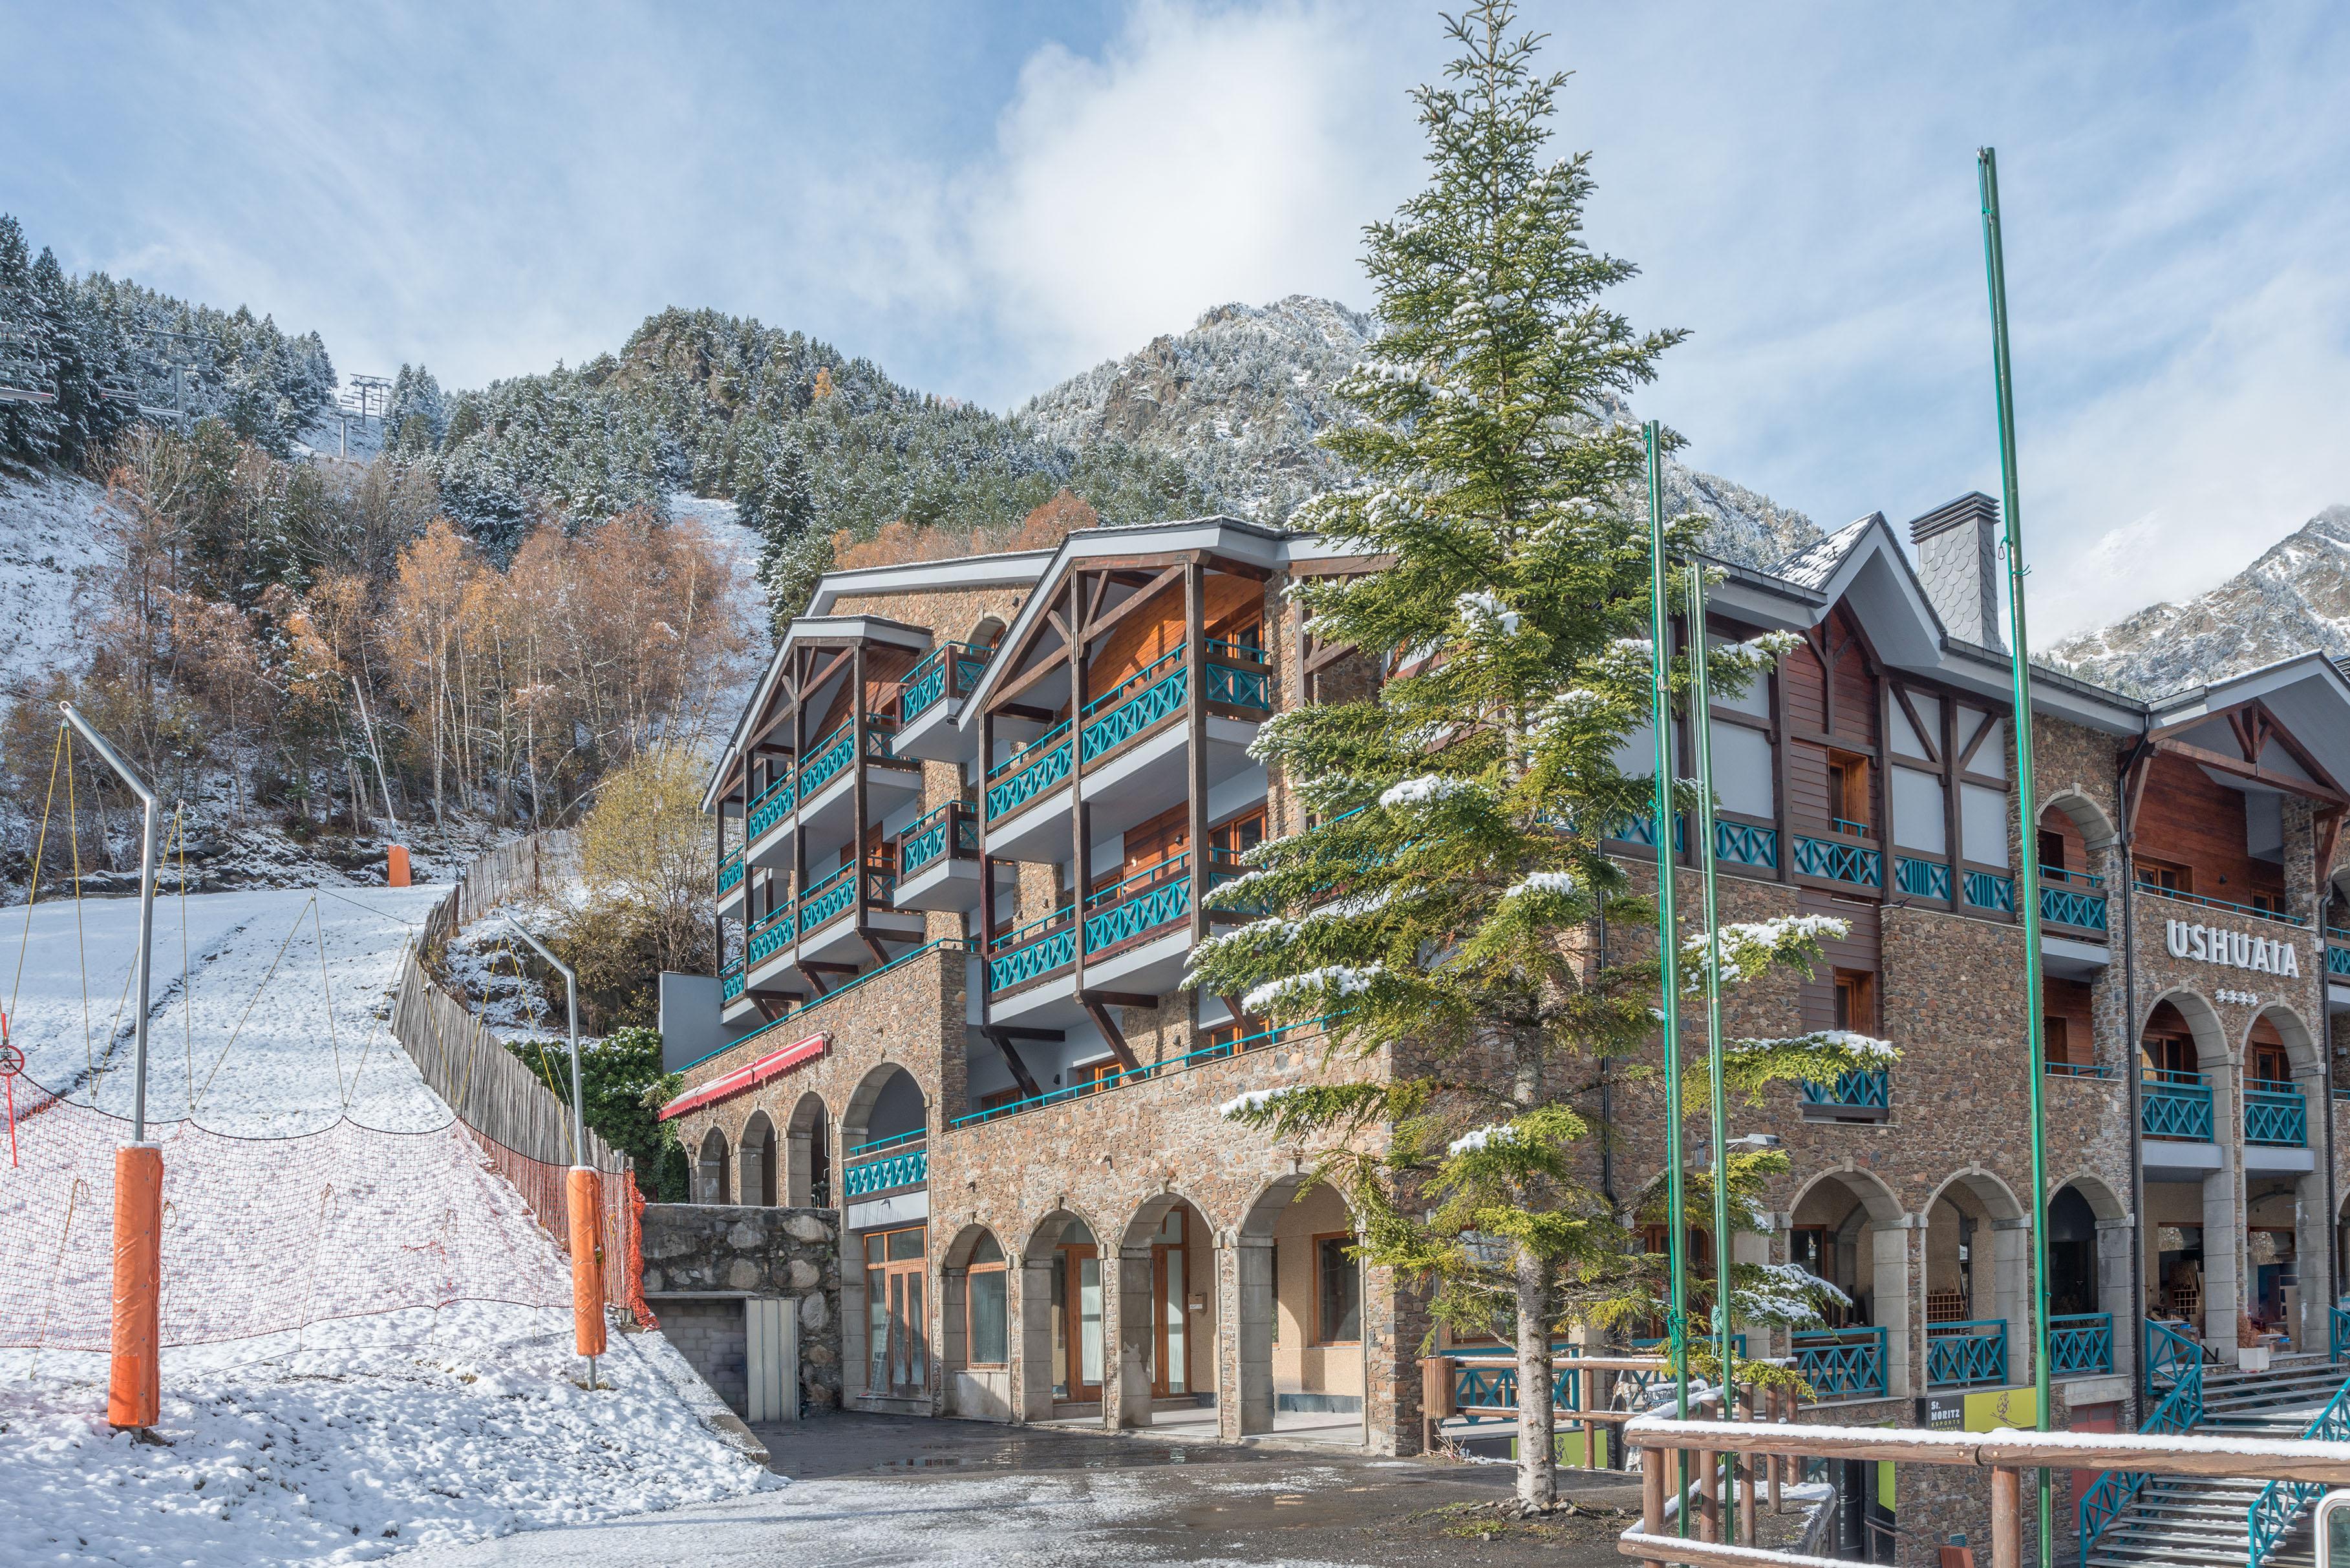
(1165, 1259)
(888, 1102)
(1056, 1300)
(1977, 1269)
(2285, 1237)
(2086, 817)
(976, 1339)
(808, 1154)
(710, 1173)
(2089, 1235)
(756, 1156)
(987, 633)
(1846, 1226)
(1283, 1261)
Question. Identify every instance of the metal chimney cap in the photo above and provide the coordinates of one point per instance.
(1974, 506)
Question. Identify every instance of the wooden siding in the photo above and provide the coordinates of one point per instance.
(1857, 949)
(2188, 818)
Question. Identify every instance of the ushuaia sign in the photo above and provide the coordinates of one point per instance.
(2237, 949)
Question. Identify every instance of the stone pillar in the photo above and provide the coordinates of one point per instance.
(1245, 1337)
(2114, 1240)
(2313, 1259)
(2010, 1261)
(2223, 1238)
(1126, 1324)
(1889, 1247)
(1031, 1282)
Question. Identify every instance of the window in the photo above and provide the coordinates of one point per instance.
(1855, 1001)
(2051, 850)
(2167, 876)
(2267, 903)
(2054, 1040)
(1848, 791)
(2168, 1053)
(999, 1099)
(897, 1359)
(1094, 1076)
(1338, 1292)
(989, 1336)
(2270, 1064)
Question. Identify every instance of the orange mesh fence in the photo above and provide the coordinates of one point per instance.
(264, 1235)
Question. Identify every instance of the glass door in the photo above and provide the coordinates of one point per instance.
(897, 1346)
(1079, 1353)
(1170, 1326)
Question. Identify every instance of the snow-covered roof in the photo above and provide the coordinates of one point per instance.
(1812, 565)
(803, 631)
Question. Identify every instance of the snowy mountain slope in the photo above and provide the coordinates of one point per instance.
(47, 543)
(2294, 598)
(1238, 398)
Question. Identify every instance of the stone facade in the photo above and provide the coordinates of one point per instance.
(704, 1261)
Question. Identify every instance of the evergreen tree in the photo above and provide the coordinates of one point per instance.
(28, 430)
(1442, 913)
(774, 498)
(415, 415)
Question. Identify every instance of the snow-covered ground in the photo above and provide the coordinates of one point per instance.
(47, 543)
(349, 1431)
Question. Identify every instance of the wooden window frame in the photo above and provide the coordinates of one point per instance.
(970, 1331)
(1321, 1341)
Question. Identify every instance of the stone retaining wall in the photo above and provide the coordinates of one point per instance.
(704, 1261)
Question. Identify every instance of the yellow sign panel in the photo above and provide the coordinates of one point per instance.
(1997, 1407)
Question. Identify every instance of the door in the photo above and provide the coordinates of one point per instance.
(771, 1359)
(1078, 1325)
(896, 1328)
(1170, 1326)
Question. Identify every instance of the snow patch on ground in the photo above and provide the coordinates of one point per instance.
(47, 541)
(411, 1429)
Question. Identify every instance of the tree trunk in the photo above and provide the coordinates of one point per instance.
(1537, 1452)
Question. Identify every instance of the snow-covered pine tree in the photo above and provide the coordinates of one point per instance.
(1442, 913)
(415, 397)
(775, 498)
(28, 430)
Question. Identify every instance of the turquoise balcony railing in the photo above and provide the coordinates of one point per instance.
(825, 759)
(829, 899)
(950, 667)
(2175, 1106)
(2079, 1070)
(773, 804)
(1966, 1355)
(1743, 843)
(1029, 772)
(2337, 1333)
(2337, 955)
(2250, 911)
(1837, 862)
(1643, 830)
(730, 873)
(1842, 1363)
(1989, 890)
(2081, 1344)
(1139, 905)
(1136, 1075)
(770, 935)
(2276, 1114)
(1033, 951)
(1238, 676)
(948, 830)
(1863, 1089)
(2072, 898)
(730, 984)
(905, 1165)
(1136, 703)
(1922, 878)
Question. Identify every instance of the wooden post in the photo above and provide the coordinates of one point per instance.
(1709, 1500)
(857, 804)
(1195, 676)
(1745, 1463)
(2006, 1517)
(1779, 1462)
(1652, 1497)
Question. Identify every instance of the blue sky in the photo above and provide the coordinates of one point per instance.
(985, 198)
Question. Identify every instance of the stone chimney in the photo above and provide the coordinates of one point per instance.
(1958, 562)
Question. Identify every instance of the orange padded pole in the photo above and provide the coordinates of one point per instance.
(585, 1189)
(134, 1393)
(395, 870)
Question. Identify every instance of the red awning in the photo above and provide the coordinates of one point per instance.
(734, 1083)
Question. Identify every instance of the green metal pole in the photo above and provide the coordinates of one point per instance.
(2028, 810)
(1701, 722)
(1661, 711)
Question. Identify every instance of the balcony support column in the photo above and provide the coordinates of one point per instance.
(1081, 869)
(1195, 718)
(856, 806)
(2011, 1255)
(2223, 1238)
(1032, 1368)
(1244, 1320)
(986, 867)
(1125, 1315)
(2115, 1239)
(799, 840)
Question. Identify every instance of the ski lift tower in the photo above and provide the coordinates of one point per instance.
(369, 397)
(181, 353)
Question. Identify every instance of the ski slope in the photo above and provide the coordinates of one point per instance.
(347, 1440)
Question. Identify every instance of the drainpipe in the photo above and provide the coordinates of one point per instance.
(2129, 1068)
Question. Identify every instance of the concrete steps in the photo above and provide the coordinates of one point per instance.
(2181, 1522)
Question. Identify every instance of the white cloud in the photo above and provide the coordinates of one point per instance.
(1205, 156)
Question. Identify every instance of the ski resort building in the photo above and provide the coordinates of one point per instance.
(968, 816)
